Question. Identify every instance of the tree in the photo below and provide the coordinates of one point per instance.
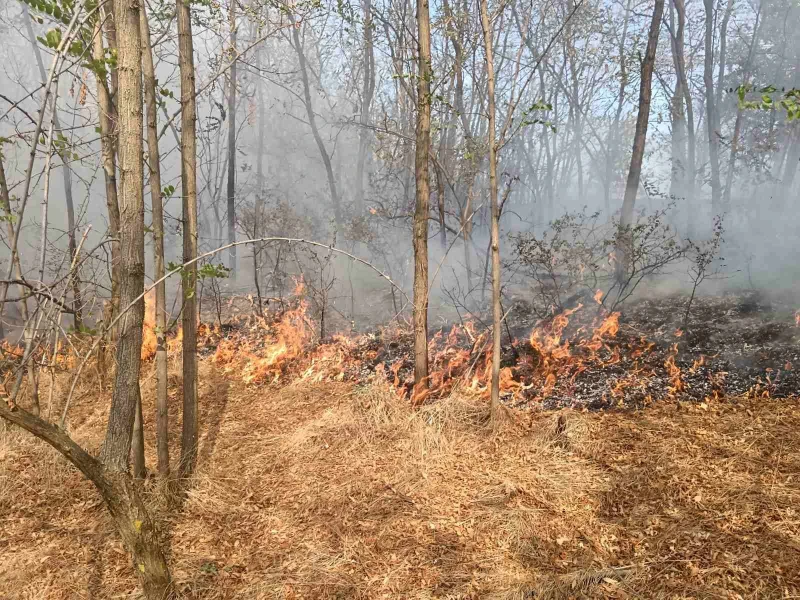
(422, 179)
(497, 314)
(154, 167)
(189, 275)
(367, 92)
(639, 139)
(712, 118)
(312, 119)
(232, 140)
(117, 445)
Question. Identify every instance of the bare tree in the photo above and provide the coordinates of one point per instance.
(422, 178)
(639, 139)
(367, 92)
(154, 167)
(312, 119)
(488, 35)
(189, 196)
(712, 118)
(232, 139)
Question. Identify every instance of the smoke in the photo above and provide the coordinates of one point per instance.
(567, 149)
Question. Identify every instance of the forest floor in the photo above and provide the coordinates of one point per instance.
(336, 490)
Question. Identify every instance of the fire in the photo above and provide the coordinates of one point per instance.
(674, 372)
(556, 352)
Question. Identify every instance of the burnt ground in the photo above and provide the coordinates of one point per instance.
(733, 345)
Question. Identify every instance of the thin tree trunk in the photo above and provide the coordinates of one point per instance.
(154, 168)
(613, 134)
(312, 121)
(66, 173)
(678, 138)
(712, 122)
(680, 8)
(422, 179)
(495, 226)
(232, 141)
(258, 209)
(126, 395)
(366, 104)
(639, 139)
(189, 280)
(107, 119)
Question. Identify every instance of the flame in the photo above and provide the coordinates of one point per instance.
(674, 372)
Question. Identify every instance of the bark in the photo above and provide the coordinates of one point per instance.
(312, 121)
(126, 395)
(232, 141)
(495, 227)
(154, 169)
(712, 119)
(678, 115)
(258, 209)
(680, 8)
(122, 499)
(137, 444)
(66, 173)
(639, 139)
(367, 92)
(107, 118)
(189, 195)
(422, 179)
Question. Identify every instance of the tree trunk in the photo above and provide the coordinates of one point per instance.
(258, 209)
(422, 179)
(712, 120)
(232, 141)
(639, 139)
(312, 121)
(154, 168)
(107, 119)
(189, 195)
(678, 138)
(366, 104)
(495, 226)
(117, 445)
(121, 496)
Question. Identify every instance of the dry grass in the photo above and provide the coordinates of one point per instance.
(327, 491)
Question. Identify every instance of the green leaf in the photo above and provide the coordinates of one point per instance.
(54, 38)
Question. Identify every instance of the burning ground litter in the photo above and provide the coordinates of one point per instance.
(585, 357)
